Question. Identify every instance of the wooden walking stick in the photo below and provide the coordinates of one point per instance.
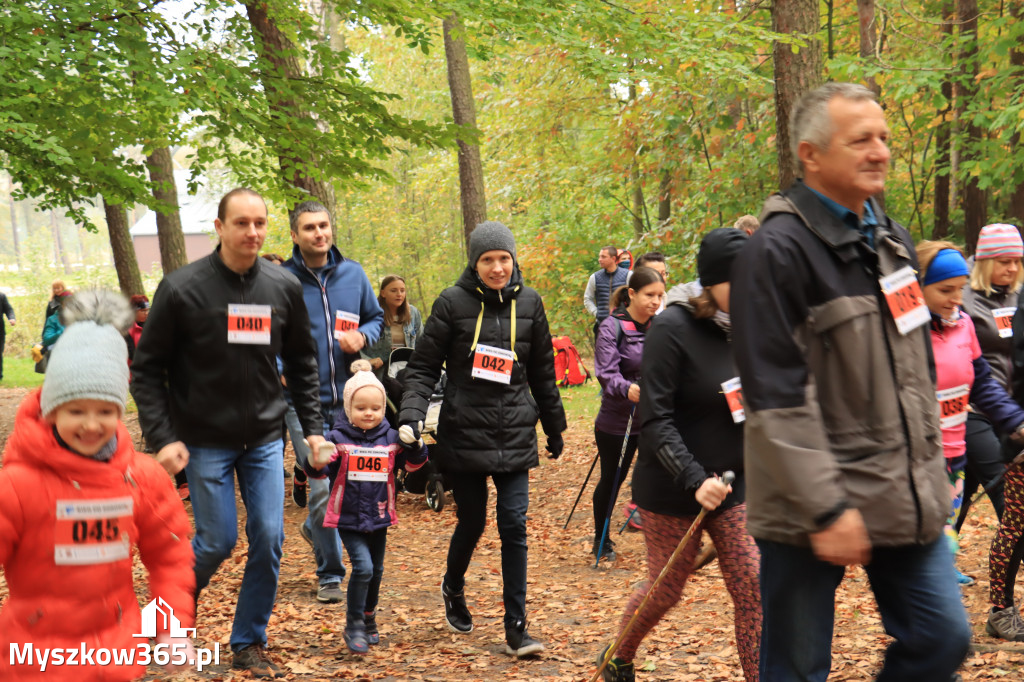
(727, 478)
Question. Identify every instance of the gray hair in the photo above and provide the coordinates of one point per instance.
(810, 120)
(308, 207)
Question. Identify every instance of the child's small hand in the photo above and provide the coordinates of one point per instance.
(180, 650)
(322, 456)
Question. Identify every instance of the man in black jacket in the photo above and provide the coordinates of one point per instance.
(842, 451)
(209, 394)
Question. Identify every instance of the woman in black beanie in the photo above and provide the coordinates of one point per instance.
(491, 333)
(692, 434)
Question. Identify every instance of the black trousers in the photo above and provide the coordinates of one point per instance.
(609, 449)
(984, 465)
(470, 491)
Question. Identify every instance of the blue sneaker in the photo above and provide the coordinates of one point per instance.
(963, 579)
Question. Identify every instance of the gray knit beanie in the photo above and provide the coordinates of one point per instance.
(488, 236)
(90, 359)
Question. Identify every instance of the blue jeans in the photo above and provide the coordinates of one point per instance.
(330, 567)
(470, 491)
(918, 599)
(366, 554)
(211, 478)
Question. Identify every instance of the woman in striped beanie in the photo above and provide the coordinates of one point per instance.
(990, 298)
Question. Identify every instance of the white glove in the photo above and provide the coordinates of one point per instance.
(322, 456)
(410, 433)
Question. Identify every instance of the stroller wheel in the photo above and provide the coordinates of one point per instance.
(435, 495)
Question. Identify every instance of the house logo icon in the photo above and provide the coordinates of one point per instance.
(159, 616)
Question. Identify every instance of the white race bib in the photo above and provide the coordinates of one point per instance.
(1004, 321)
(249, 324)
(368, 464)
(92, 531)
(953, 405)
(903, 295)
(734, 397)
(492, 364)
(344, 322)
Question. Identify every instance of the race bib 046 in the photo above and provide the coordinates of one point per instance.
(368, 464)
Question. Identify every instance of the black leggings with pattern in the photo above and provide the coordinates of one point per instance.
(1008, 546)
(740, 563)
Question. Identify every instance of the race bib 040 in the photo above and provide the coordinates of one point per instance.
(249, 324)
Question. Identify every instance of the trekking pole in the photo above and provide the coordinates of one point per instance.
(727, 478)
(615, 485)
(629, 518)
(582, 488)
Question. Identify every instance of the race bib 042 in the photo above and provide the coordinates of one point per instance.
(492, 364)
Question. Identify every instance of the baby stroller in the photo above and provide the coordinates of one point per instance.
(427, 480)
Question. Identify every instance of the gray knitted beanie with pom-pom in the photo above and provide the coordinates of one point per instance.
(90, 359)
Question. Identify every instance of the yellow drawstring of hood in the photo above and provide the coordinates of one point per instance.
(480, 320)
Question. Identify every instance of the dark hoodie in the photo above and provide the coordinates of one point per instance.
(486, 426)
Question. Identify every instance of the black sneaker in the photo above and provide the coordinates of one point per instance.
(254, 659)
(456, 613)
(299, 487)
(607, 552)
(518, 642)
(370, 623)
(617, 670)
(355, 637)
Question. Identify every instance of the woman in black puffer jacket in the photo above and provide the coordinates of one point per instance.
(495, 395)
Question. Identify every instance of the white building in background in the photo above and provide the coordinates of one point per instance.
(197, 215)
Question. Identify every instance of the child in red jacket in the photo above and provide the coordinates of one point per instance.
(75, 499)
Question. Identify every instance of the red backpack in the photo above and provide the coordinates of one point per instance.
(569, 367)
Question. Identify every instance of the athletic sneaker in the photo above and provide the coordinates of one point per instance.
(518, 642)
(330, 593)
(355, 637)
(617, 669)
(299, 487)
(456, 613)
(963, 579)
(372, 634)
(1006, 624)
(254, 659)
(607, 552)
(306, 534)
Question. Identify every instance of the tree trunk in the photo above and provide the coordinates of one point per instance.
(471, 170)
(665, 197)
(14, 221)
(868, 38)
(168, 225)
(974, 199)
(60, 254)
(795, 73)
(277, 49)
(1016, 62)
(943, 139)
(125, 262)
(639, 226)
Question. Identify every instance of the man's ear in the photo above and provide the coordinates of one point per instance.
(808, 155)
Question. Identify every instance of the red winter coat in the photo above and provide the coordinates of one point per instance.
(70, 580)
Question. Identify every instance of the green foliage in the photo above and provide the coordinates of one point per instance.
(20, 372)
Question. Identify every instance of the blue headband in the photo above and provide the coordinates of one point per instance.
(947, 264)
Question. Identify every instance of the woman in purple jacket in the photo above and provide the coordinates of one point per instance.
(619, 349)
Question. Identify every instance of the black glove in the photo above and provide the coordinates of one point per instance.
(409, 432)
(555, 446)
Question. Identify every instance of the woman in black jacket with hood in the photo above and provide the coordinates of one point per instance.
(497, 390)
(692, 434)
